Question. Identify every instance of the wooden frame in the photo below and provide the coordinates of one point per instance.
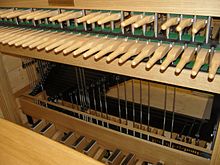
(183, 79)
(154, 152)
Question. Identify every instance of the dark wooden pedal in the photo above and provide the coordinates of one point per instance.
(79, 144)
(129, 160)
(115, 158)
(91, 148)
(48, 130)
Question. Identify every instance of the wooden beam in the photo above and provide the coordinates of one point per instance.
(7, 101)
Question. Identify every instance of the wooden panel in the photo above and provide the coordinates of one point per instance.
(22, 146)
(7, 100)
(18, 79)
(185, 101)
(184, 79)
(144, 149)
(11, 63)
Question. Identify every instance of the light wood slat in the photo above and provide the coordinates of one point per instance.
(22, 146)
(184, 79)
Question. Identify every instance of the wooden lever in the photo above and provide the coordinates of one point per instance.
(183, 24)
(198, 25)
(24, 16)
(60, 42)
(133, 50)
(56, 17)
(18, 13)
(88, 45)
(35, 14)
(200, 60)
(97, 17)
(122, 48)
(45, 15)
(112, 46)
(170, 22)
(4, 15)
(41, 36)
(143, 21)
(76, 45)
(5, 11)
(131, 20)
(214, 65)
(173, 54)
(159, 54)
(147, 51)
(44, 39)
(97, 48)
(66, 45)
(24, 37)
(129, 160)
(52, 40)
(14, 36)
(87, 17)
(112, 17)
(186, 57)
(73, 15)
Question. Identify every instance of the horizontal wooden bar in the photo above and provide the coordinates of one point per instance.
(184, 79)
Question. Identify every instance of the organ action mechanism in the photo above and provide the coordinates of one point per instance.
(148, 81)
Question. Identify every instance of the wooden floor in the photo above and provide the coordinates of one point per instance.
(22, 146)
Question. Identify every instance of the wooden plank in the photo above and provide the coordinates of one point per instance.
(184, 79)
(210, 8)
(7, 101)
(22, 146)
(18, 79)
(11, 63)
(143, 149)
(185, 101)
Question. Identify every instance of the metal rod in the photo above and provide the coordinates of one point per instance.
(133, 103)
(165, 110)
(148, 109)
(208, 29)
(173, 112)
(155, 25)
